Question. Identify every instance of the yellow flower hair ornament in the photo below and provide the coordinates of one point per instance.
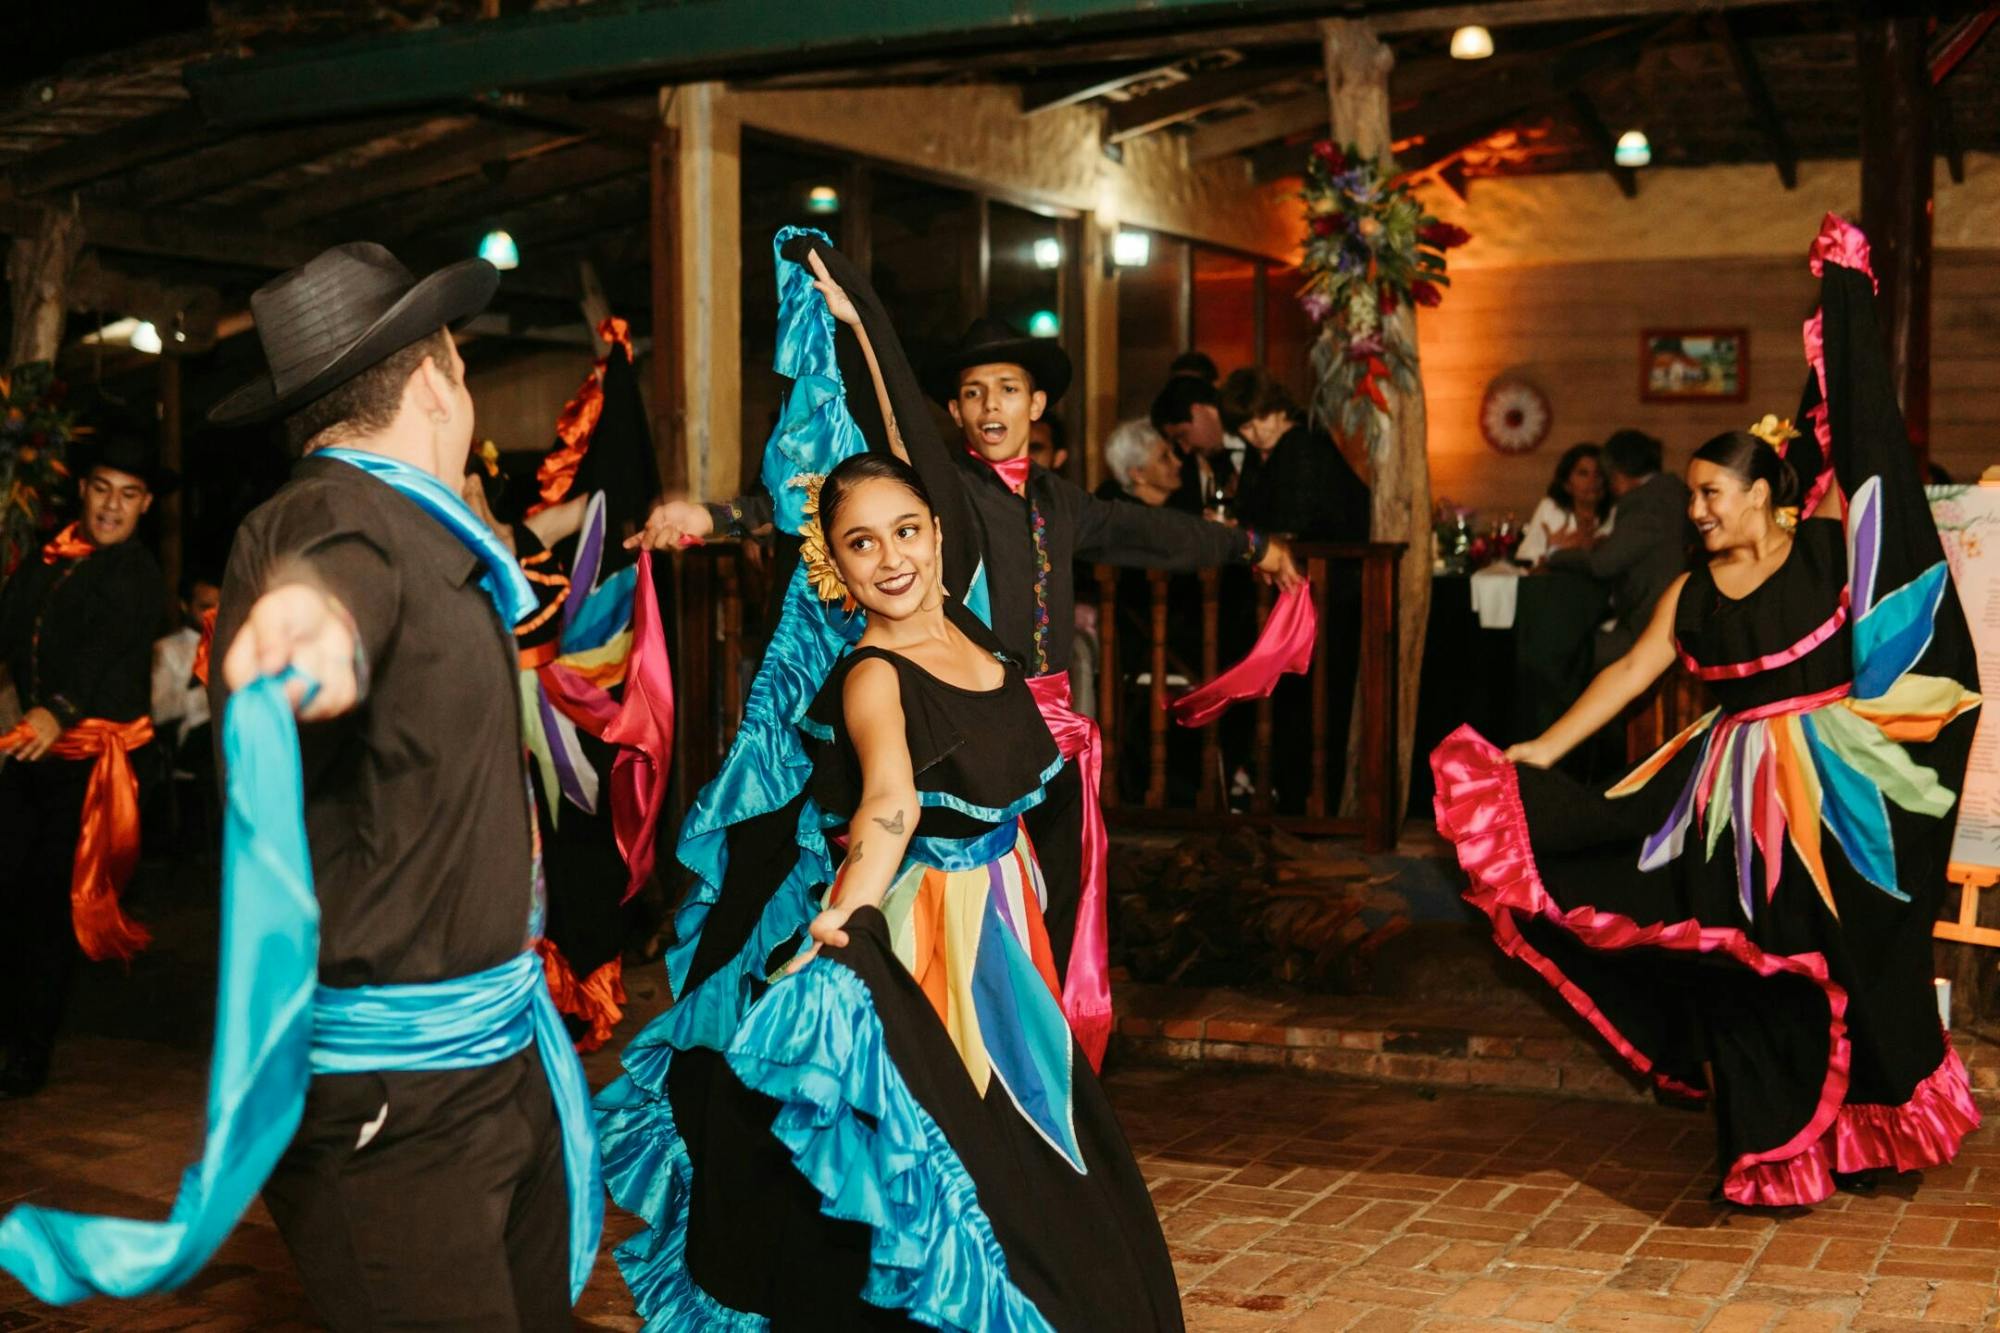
(826, 582)
(489, 457)
(1774, 430)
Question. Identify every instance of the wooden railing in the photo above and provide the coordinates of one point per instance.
(713, 600)
(1374, 630)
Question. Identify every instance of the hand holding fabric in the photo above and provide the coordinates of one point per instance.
(32, 736)
(672, 525)
(305, 629)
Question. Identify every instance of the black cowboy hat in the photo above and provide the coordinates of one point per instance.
(122, 447)
(989, 342)
(328, 320)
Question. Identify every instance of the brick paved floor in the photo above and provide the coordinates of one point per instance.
(1292, 1203)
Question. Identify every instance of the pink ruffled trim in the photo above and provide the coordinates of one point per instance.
(1841, 242)
(1479, 809)
(1925, 1131)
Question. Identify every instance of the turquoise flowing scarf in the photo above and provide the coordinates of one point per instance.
(276, 1026)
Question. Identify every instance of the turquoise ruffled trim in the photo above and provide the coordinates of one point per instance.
(647, 1170)
(819, 731)
(815, 1044)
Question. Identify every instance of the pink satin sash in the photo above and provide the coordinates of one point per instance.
(1285, 645)
(1086, 997)
(642, 731)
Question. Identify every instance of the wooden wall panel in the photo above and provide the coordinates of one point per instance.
(1574, 330)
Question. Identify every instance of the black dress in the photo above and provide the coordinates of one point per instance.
(1759, 894)
(904, 1132)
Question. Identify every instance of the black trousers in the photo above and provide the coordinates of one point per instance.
(433, 1201)
(41, 813)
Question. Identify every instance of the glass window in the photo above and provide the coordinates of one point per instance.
(924, 242)
(1288, 333)
(1151, 324)
(781, 187)
(1225, 308)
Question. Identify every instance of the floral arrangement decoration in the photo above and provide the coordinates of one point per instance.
(36, 428)
(1370, 251)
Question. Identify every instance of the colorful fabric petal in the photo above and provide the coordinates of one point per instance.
(1749, 755)
(1892, 636)
(1884, 763)
(1799, 793)
(1853, 808)
(1916, 708)
(1864, 545)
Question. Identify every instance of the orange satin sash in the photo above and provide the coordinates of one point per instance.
(66, 545)
(107, 850)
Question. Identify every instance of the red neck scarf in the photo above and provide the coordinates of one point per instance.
(1013, 473)
(66, 545)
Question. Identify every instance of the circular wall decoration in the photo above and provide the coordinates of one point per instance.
(1514, 416)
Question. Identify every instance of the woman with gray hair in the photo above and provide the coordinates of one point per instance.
(1141, 463)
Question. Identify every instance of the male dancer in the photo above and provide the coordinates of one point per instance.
(1013, 532)
(427, 1199)
(76, 633)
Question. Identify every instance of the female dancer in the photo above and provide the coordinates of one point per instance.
(902, 1131)
(1772, 943)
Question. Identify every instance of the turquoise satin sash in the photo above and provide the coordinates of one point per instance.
(503, 580)
(467, 1023)
(263, 1037)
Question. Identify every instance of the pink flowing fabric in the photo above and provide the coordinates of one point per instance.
(642, 731)
(1086, 998)
(1286, 645)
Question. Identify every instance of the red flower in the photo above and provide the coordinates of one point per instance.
(1328, 152)
(1388, 301)
(1424, 293)
(1444, 235)
(1325, 225)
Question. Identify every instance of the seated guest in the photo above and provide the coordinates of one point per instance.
(1048, 444)
(1648, 550)
(1142, 465)
(1576, 511)
(178, 698)
(1186, 413)
(1301, 483)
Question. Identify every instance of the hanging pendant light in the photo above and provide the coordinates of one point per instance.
(498, 249)
(1633, 150)
(1471, 42)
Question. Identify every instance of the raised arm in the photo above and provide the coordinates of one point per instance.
(1615, 687)
(882, 824)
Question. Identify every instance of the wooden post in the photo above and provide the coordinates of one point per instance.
(1156, 708)
(1213, 793)
(1897, 179)
(38, 269)
(1110, 685)
(1357, 86)
(170, 457)
(669, 406)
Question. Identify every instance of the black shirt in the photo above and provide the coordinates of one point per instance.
(1305, 487)
(77, 635)
(416, 801)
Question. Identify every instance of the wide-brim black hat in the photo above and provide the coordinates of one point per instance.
(122, 450)
(328, 320)
(992, 342)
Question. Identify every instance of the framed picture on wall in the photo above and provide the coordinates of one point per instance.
(1694, 365)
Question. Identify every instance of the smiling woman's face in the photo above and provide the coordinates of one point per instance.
(1724, 510)
(885, 541)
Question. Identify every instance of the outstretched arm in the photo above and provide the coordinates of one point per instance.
(1615, 687)
(842, 307)
(880, 830)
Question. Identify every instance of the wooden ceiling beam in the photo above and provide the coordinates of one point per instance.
(210, 240)
(636, 133)
(1193, 97)
(90, 156)
(480, 198)
(455, 155)
(1047, 94)
(240, 161)
(1293, 115)
(1763, 107)
(1598, 138)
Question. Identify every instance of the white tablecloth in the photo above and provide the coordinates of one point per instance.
(1496, 590)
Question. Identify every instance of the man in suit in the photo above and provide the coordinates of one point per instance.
(1645, 552)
